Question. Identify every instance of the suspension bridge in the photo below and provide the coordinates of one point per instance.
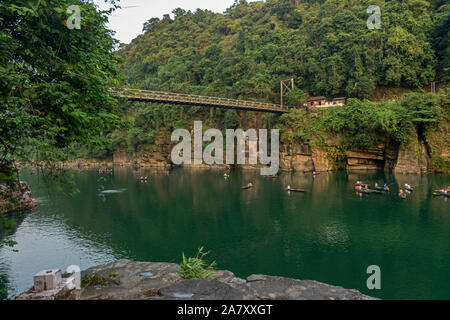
(197, 100)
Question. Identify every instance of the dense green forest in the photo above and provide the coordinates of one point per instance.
(326, 46)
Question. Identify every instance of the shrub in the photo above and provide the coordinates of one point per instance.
(95, 279)
(196, 268)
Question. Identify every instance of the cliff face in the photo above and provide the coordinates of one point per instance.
(411, 158)
(424, 153)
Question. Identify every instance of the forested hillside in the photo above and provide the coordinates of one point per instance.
(325, 45)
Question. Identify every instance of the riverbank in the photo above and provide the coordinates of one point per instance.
(15, 197)
(160, 281)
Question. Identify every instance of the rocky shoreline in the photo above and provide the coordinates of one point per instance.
(131, 280)
(15, 197)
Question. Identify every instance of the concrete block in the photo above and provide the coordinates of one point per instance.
(47, 280)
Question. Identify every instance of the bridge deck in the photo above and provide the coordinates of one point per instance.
(197, 100)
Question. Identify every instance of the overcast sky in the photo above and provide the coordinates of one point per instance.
(128, 21)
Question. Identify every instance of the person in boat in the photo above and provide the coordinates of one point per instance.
(386, 187)
(376, 185)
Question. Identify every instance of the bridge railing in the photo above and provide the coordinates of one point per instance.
(196, 99)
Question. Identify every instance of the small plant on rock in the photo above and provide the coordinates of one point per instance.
(196, 267)
(95, 279)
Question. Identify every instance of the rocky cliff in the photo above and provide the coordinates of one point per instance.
(411, 158)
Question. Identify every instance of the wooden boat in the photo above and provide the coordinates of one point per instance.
(249, 186)
(295, 190)
(441, 194)
(402, 195)
(362, 185)
(382, 189)
(369, 191)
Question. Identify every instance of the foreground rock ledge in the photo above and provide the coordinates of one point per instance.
(160, 281)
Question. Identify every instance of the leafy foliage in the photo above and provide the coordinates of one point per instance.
(298, 126)
(196, 267)
(54, 81)
(95, 279)
(365, 124)
(325, 45)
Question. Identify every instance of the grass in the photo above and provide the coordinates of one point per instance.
(196, 267)
(95, 279)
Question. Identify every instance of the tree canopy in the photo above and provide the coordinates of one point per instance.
(54, 80)
(325, 45)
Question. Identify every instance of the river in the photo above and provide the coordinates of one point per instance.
(329, 234)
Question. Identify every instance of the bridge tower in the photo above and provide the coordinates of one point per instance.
(285, 87)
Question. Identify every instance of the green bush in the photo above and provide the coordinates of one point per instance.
(440, 163)
(364, 124)
(196, 267)
(95, 279)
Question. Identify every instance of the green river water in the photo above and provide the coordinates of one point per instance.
(328, 234)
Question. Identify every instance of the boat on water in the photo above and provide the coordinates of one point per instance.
(249, 186)
(369, 191)
(440, 193)
(361, 184)
(295, 190)
(384, 188)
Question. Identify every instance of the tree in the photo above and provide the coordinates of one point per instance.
(54, 80)
(295, 97)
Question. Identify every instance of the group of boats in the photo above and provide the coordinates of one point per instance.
(289, 189)
(403, 192)
(361, 187)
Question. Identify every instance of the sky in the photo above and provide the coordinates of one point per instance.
(128, 21)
